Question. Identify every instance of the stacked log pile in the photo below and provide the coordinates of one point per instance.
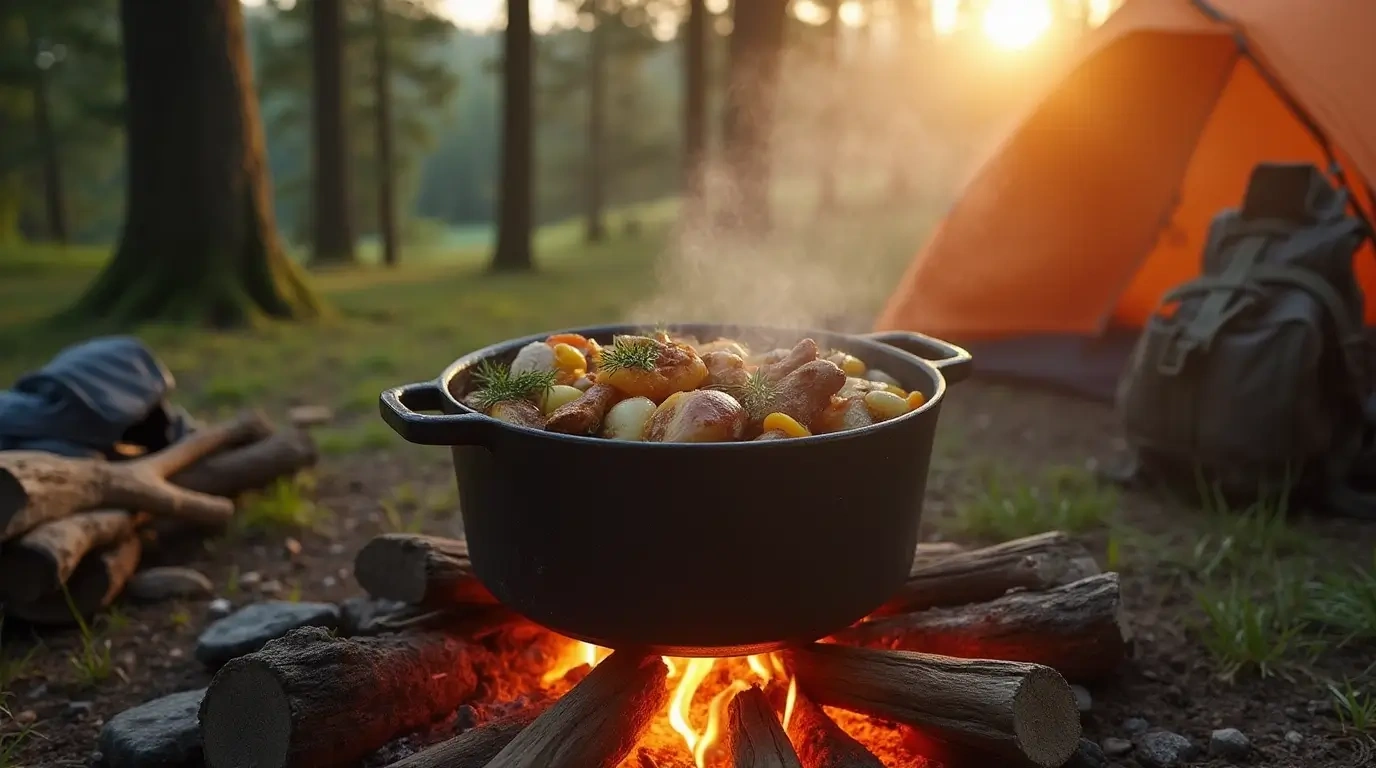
(977, 652)
(72, 531)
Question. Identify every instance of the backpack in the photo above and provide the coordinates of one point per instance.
(1254, 378)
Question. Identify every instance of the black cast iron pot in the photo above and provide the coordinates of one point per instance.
(700, 549)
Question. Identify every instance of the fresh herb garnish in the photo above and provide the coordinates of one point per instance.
(757, 395)
(629, 353)
(497, 384)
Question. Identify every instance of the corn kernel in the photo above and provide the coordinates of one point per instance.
(569, 358)
(885, 405)
(853, 366)
(559, 395)
(785, 424)
(915, 400)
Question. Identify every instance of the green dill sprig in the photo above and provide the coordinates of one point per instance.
(757, 395)
(629, 353)
(497, 384)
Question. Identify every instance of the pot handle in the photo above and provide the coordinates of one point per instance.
(954, 363)
(399, 406)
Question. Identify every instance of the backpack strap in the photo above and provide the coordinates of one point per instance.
(1225, 296)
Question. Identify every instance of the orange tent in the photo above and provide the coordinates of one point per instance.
(1099, 201)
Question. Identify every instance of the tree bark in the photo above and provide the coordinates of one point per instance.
(821, 743)
(420, 570)
(43, 559)
(386, 172)
(477, 746)
(1075, 629)
(596, 225)
(515, 219)
(1020, 712)
(756, 50)
(311, 699)
(754, 736)
(694, 109)
(199, 242)
(332, 240)
(45, 137)
(95, 583)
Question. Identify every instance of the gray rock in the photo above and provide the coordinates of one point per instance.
(167, 583)
(1228, 743)
(1293, 737)
(1083, 701)
(1116, 747)
(1163, 749)
(219, 608)
(78, 709)
(1135, 725)
(254, 625)
(162, 733)
(1087, 755)
(358, 615)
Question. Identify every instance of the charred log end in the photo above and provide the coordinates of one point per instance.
(252, 716)
(754, 736)
(388, 565)
(13, 497)
(25, 575)
(1046, 720)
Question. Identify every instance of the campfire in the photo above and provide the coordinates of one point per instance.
(968, 665)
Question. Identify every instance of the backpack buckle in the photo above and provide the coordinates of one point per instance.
(1173, 356)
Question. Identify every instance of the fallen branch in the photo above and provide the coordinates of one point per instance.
(36, 487)
(43, 559)
(821, 743)
(95, 583)
(1035, 562)
(312, 699)
(598, 722)
(1076, 629)
(252, 466)
(754, 736)
(477, 746)
(1020, 712)
(421, 570)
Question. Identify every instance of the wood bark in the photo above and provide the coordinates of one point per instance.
(386, 172)
(598, 722)
(312, 699)
(754, 736)
(1020, 712)
(756, 50)
(595, 226)
(41, 561)
(1076, 629)
(45, 138)
(477, 746)
(199, 241)
(695, 31)
(251, 466)
(515, 218)
(36, 487)
(1035, 562)
(94, 584)
(332, 240)
(821, 743)
(421, 570)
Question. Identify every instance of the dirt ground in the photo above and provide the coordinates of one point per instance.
(1172, 683)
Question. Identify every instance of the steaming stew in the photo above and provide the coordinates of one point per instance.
(658, 388)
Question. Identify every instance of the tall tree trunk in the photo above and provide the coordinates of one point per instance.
(597, 108)
(694, 107)
(45, 137)
(832, 128)
(515, 218)
(332, 233)
(382, 74)
(756, 47)
(199, 241)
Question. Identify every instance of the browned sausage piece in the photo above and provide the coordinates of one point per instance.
(802, 353)
(584, 415)
(804, 393)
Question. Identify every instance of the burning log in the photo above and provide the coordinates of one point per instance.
(821, 743)
(598, 722)
(42, 560)
(754, 736)
(427, 570)
(95, 583)
(1075, 629)
(477, 746)
(312, 699)
(251, 466)
(36, 487)
(1021, 712)
(1035, 562)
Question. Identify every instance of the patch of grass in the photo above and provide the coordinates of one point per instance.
(1009, 507)
(14, 668)
(180, 618)
(1355, 707)
(1247, 540)
(293, 595)
(1243, 633)
(367, 436)
(402, 511)
(92, 661)
(113, 619)
(284, 505)
(1344, 602)
(12, 740)
(232, 585)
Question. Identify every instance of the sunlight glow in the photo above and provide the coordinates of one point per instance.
(945, 17)
(852, 13)
(1014, 24)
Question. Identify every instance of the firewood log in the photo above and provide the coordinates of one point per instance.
(1023, 713)
(41, 561)
(821, 743)
(94, 584)
(477, 746)
(754, 736)
(36, 487)
(422, 570)
(597, 724)
(1035, 562)
(251, 466)
(1076, 629)
(310, 699)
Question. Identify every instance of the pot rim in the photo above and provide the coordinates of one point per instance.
(464, 362)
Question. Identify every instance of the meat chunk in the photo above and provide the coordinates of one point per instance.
(725, 370)
(806, 392)
(802, 353)
(584, 415)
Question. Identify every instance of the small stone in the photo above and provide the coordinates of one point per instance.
(329, 581)
(270, 587)
(76, 709)
(167, 583)
(337, 549)
(1228, 743)
(1163, 749)
(1116, 747)
(163, 732)
(1293, 737)
(1135, 725)
(249, 578)
(310, 415)
(254, 625)
(1083, 701)
(38, 691)
(1320, 707)
(292, 546)
(27, 717)
(219, 608)
(1087, 755)
(175, 653)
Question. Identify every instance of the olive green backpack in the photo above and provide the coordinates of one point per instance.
(1255, 377)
